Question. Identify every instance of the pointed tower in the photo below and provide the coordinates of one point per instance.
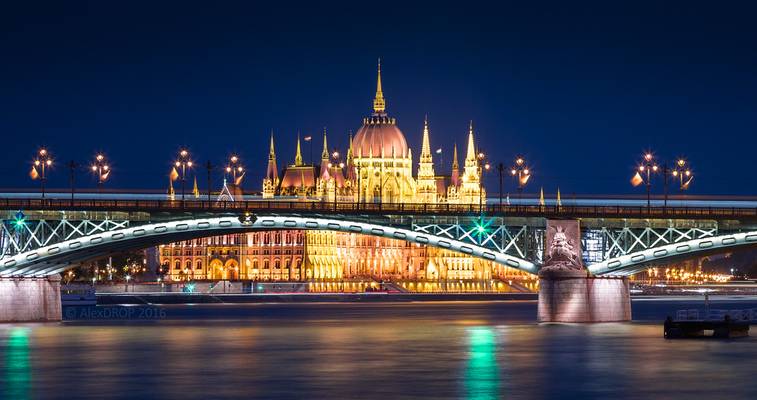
(325, 157)
(298, 155)
(379, 105)
(271, 180)
(471, 190)
(351, 173)
(455, 178)
(471, 162)
(426, 184)
(272, 171)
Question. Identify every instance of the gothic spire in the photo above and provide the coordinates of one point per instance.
(426, 146)
(379, 105)
(325, 152)
(470, 155)
(298, 155)
(455, 165)
(272, 171)
(455, 177)
(349, 150)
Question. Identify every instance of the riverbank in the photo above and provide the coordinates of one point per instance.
(205, 298)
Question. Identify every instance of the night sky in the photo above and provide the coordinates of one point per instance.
(580, 91)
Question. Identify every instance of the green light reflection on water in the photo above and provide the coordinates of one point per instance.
(482, 372)
(17, 365)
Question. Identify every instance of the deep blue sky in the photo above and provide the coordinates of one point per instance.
(580, 90)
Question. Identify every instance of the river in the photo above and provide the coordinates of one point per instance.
(446, 350)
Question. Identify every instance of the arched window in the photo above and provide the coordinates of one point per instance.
(265, 264)
(177, 264)
(276, 264)
(198, 264)
(188, 264)
(254, 264)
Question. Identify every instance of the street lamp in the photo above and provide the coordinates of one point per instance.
(336, 163)
(482, 167)
(522, 173)
(648, 166)
(501, 171)
(42, 162)
(102, 169)
(683, 173)
(182, 163)
(234, 167)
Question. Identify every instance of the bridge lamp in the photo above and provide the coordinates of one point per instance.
(101, 168)
(235, 168)
(522, 173)
(41, 163)
(683, 174)
(182, 163)
(648, 167)
(335, 158)
(483, 166)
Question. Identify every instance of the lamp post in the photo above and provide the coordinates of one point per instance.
(209, 167)
(682, 172)
(182, 163)
(102, 169)
(482, 167)
(522, 173)
(72, 166)
(648, 167)
(334, 164)
(501, 171)
(234, 167)
(43, 161)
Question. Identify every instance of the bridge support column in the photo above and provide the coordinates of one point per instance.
(574, 296)
(30, 299)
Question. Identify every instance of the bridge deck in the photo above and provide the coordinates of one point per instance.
(275, 206)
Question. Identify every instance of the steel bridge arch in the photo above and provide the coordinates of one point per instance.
(632, 263)
(55, 258)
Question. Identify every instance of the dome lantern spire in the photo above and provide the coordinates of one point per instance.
(298, 155)
(379, 105)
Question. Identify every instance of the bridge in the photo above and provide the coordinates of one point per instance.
(40, 238)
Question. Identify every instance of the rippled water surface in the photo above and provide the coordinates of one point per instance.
(471, 350)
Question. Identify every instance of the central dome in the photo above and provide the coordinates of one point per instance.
(379, 133)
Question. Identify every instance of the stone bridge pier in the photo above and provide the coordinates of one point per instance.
(576, 296)
(567, 291)
(30, 299)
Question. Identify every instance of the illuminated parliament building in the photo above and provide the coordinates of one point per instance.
(378, 167)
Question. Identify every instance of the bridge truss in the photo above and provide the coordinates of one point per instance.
(20, 233)
(514, 241)
(522, 240)
(600, 244)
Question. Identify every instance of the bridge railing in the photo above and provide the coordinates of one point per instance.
(574, 211)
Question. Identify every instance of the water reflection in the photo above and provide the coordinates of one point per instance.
(17, 366)
(482, 372)
(468, 350)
